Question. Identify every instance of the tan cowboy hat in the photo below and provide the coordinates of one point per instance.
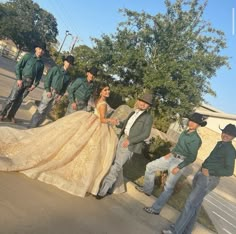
(147, 97)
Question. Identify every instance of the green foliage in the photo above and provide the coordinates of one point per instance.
(59, 109)
(115, 100)
(157, 148)
(174, 54)
(25, 23)
(84, 59)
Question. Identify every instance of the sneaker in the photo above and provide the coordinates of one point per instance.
(141, 190)
(98, 197)
(1, 117)
(167, 232)
(150, 210)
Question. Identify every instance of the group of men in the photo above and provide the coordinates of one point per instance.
(135, 130)
(29, 71)
(220, 162)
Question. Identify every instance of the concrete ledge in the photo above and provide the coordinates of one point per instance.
(168, 212)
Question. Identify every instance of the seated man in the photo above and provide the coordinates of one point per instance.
(184, 153)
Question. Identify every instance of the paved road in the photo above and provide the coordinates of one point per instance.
(222, 212)
(31, 207)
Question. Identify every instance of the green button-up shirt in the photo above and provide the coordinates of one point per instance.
(58, 79)
(221, 160)
(188, 145)
(30, 67)
(80, 90)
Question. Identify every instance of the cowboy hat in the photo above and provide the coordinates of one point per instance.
(70, 59)
(147, 97)
(198, 118)
(93, 71)
(229, 129)
(41, 45)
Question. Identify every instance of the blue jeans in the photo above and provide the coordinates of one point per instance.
(43, 109)
(202, 185)
(122, 155)
(162, 164)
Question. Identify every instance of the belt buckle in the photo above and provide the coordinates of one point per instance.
(178, 156)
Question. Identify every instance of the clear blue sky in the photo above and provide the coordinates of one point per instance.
(91, 18)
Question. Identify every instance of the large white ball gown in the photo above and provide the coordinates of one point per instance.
(73, 153)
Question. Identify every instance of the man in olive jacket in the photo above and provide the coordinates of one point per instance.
(29, 71)
(136, 129)
(55, 84)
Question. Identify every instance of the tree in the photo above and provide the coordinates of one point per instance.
(174, 54)
(25, 23)
(84, 59)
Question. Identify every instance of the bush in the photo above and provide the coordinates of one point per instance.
(59, 109)
(157, 148)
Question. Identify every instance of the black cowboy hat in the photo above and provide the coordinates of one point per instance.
(93, 71)
(70, 59)
(41, 45)
(229, 129)
(147, 97)
(198, 118)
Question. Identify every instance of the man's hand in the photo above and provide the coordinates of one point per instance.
(19, 83)
(74, 106)
(49, 94)
(125, 143)
(31, 88)
(58, 98)
(205, 172)
(167, 156)
(175, 170)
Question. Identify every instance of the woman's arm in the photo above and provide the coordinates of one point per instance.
(102, 109)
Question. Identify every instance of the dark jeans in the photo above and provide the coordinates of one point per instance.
(202, 185)
(14, 100)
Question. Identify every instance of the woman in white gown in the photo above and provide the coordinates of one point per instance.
(73, 153)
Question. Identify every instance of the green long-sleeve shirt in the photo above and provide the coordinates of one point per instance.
(30, 67)
(188, 145)
(58, 79)
(80, 90)
(221, 160)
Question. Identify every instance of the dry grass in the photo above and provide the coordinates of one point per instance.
(134, 171)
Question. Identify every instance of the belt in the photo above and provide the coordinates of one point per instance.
(28, 79)
(178, 156)
(80, 102)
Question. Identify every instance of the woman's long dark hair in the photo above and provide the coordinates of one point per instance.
(100, 86)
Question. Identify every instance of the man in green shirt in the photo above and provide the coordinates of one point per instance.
(55, 84)
(219, 163)
(184, 153)
(80, 91)
(29, 71)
